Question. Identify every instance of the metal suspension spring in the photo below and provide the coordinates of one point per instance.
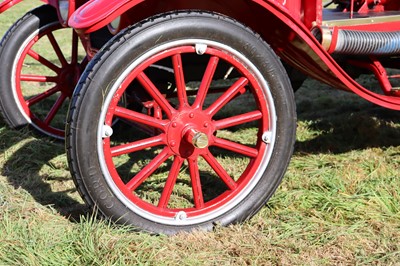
(367, 43)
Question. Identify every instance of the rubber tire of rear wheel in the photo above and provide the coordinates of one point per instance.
(107, 65)
(10, 44)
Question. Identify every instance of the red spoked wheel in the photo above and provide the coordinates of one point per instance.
(45, 64)
(187, 155)
(186, 133)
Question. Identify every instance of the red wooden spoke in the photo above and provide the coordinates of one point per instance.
(206, 82)
(42, 96)
(148, 170)
(54, 110)
(180, 80)
(156, 94)
(171, 181)
(140, 118)
(238, 120)
(220, 171)
(227, 96)
(57, 49)
(196, 183)
(74, 55)
(137, 146)
(44, 61)
(38, 78)
(236, 147)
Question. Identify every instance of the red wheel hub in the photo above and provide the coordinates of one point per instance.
(190, 132)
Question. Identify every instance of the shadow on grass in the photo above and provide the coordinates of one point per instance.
(25, 158)
(339, 127)
(346, 128)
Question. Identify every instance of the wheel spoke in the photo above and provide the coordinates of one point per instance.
(236, 147)
(54, 110)
(57, 49)
(42, 96)
(140, 118)
(196, 183)
(220, 171)
(155, 93)
(227, 96)
(180, 80)
(148, 170)
(38, 78)
(44, 61)
(206, 82)
(137, 145)
(74, 55)
(238, 120)
(171, 181)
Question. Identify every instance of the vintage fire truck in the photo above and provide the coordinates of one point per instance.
(157, 101)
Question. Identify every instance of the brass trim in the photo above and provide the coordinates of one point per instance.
(360, 21)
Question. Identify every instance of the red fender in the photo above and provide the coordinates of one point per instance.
(7, 4)
(293, 42)
(96, 14)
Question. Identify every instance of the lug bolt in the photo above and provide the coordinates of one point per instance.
(181, 216)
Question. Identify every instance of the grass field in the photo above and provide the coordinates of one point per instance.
(339, 203)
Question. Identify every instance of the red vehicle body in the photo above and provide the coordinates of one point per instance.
(298, 22)
(139, 78)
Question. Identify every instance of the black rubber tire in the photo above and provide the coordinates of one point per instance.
(296, 77)
(12, 111)
(125, 48)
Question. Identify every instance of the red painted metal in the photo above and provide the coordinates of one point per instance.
(293, 42)
(96, 14)
(179, 130)
(5, 5)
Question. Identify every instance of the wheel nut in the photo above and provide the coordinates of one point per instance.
(197, 138)
(200, 140)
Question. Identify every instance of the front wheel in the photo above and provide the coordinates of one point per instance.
(184, 155)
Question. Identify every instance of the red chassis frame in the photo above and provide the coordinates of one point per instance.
(294, 42)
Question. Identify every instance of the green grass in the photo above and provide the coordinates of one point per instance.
(339, 203)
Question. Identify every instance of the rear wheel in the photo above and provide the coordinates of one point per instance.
(184, 155)
(41, 65)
